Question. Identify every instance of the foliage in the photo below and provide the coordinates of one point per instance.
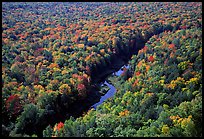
(53, 54)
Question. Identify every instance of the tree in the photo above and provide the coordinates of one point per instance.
(13, 105)
(65, 88)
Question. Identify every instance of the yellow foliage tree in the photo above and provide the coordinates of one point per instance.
(65, 88)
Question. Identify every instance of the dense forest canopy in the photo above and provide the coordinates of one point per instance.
(54, 55)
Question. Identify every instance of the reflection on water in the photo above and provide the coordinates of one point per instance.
(120, 71)
(109, 94)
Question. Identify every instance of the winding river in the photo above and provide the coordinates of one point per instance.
(111, 90)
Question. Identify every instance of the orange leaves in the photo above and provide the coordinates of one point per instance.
(102, 51)
(124, 113)
(91, 38)
(183, 122)
(75, 75)
(147, 67)
(83, 79)
(171, 46)
(60, 28)
(53, 65)
(135, 83)
(139, 64)
(105, 28)
(174, 117)
(171, 55)
(54, 82)
(88, 58)
(150, 94)
(65, 71)
(80, 46)
(38, 87)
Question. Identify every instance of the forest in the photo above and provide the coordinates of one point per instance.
(56, 55)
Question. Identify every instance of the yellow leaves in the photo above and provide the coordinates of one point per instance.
(183, 122)
(20, 88)
(107, 106)
(184, 89)
(184, 65)
(53, 65)
(115, 40)
(136, 94)
(172, 85)
(65, 88)
(161, 82)
(89, 48)
(65, 71)
(39, 87)
(193, 80)
(131, 80)
(72, 81)
(166, 107)
(56, 69)
(200, 51)
(179, 79)
(81, 58)
(165, 129)
(176, 82)
(124, 113)
(174, 117)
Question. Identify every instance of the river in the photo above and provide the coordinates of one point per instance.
(111, 90)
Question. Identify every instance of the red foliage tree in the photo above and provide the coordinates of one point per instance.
(165, 62)
(81, 87)
(151, 59)
(82, 90)
(88, 70)
(137, 73)
(145, 49)
(83, 80)
(13, 105)
(59, 126)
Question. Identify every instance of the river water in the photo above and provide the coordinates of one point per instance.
(112, 89)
